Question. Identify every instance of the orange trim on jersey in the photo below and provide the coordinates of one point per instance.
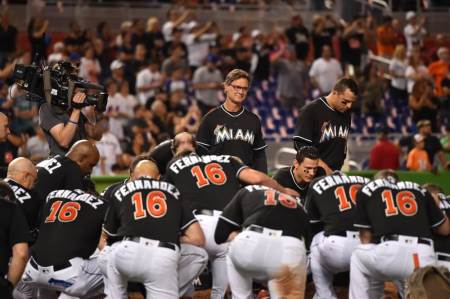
(416, 260)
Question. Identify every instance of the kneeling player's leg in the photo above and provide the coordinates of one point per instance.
(88, 281)
(240, 283)
(363, 280)
(323, 278)
(193, 261)
(117, 282)
(162, 275)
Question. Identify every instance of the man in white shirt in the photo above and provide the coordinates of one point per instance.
(414, 31)
(325, 71)
(109, 150)
(176, 20)
(148, 81)
(197, 42)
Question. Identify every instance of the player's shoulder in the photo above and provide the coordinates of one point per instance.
(213, 113)
(282, 172)
(315, 105)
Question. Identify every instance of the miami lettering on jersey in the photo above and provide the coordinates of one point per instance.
(223, 133)
(330, 131)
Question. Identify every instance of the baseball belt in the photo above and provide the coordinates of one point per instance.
(420, 240)
(59, 267)
(443, 257)
(154, 243)
(343, 233)
(207, 212)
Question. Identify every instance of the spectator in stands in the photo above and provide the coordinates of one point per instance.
(418, 159)
(423, 103)
(384, 154)
(138, 30)
(76, 39)
(320, 36)
(38, 38)
(398, 29)
(260, 62)
(109, 150)
(438, 69)
(176, 82)
(128, 100)
(117, 71)
(8, 37)
(36, 148)
(175, 61)
(183, 119)
(177, 41)
(159, 118)
(89, 68)
(140, 144)
(198, 41)
(353, 43)
(414, 31)
(207, 83)
(7, 150)
(59, 53)
(372, 91)
(116, 109)
(292, 88)
(325, 71)
(148, 81)
(154, 40)
(416, 70)
(397, 70)
(386, 38)
(134, 64)
(445, 100)
(24, 114)
(175, 20)
(445, 142)
(298, 36)
(432, 145)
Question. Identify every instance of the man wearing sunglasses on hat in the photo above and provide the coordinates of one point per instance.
(233, 130)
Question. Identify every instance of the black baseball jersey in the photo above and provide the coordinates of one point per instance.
(13, 230)
(442, 243)
(269, 208)
(29, 201)
(206, 182)
(285, 177)
(112, 215)
(331, 200)
(403, 208)
(326, 129)
(236, 134)
(162, 154)
(151, 209)
(58, 173)
(70, 227)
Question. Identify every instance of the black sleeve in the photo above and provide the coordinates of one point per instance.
(232, 213)
(161, 155)
(237, 165)
(311, 207)
(204, 135)
(435, 215)
(260, 160)
(223, 231)
(259, 143)
(306, 126)
(19, 231)
(187, 215)
(362, 219)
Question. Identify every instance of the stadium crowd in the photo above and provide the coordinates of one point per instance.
(163, 74)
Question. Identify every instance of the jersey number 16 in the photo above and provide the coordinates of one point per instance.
(155, 205)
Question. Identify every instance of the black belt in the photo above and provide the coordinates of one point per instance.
(341, 233)
(443, 257)
(55, 267)
(160, 243)
(397, 237)
(204, 212)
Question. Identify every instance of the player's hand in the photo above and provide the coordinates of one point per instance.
(291, 192)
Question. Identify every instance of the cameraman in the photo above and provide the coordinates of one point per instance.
(63, 128)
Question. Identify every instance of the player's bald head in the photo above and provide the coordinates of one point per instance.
(23, 172)
(145, 168)
(388, 174)
(183, 142)
(85, 154)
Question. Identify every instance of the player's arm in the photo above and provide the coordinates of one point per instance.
(365, 235)
(204, 134)
(254, 177)
(444, 228)
(260, 160)
(103, 241)
(18, 262)
(305, 130)
(193, 235)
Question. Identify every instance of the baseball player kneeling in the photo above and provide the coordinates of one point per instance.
(271, 245)
(61, 257)
(331, 200)
(396, 219)
(152, 215)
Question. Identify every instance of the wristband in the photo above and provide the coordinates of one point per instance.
(73, 122)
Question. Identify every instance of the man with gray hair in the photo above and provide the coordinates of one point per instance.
(438, 69)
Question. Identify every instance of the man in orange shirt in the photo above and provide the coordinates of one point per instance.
(438, 70)
(418, 157)
(386, 38)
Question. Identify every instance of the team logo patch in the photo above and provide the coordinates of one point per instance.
(60, 283)
(329, 131)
